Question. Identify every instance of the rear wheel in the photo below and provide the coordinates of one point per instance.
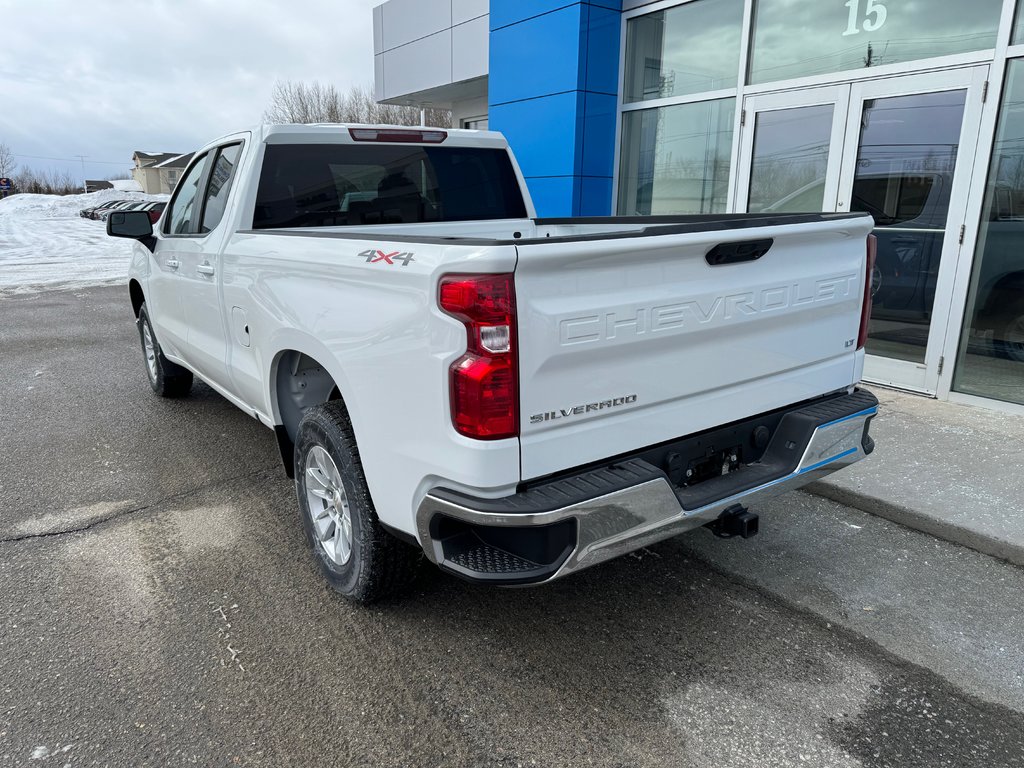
(166, 378)
(355, 554)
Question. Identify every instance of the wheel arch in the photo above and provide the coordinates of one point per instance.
(298, 381)
(137, 295)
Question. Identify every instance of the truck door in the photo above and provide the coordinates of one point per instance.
(200, 262)
(164, 291)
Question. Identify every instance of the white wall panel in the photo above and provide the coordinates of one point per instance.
(378, 77)
(470, 44)
(420, 65)
(439, 46)
(378, 29)
(407, 20)
(466, 10)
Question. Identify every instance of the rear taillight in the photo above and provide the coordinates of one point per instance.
(865, 312)
(398, 135)
(484, 381)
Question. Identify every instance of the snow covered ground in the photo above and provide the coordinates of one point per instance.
(45, 244)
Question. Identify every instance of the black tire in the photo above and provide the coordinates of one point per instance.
(166, 378)
(379, 565)
(1009, 334)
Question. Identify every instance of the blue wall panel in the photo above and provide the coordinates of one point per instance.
(536, 57)
(555, 195)
(595, 196)
(552, 91)
(602, 53)
(543, 133)
(599, 134)
(506, 12)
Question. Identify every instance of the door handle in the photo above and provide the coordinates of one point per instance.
(173, 263)
(205, 269)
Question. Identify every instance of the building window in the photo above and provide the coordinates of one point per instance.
(687, 49)
(991, 360)
(475, 123)
(675, 160)
(791, 41)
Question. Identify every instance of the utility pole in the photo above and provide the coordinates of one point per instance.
(82, 158)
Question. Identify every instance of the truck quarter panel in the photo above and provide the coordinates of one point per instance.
(366, 310)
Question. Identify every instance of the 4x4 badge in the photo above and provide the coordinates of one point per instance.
(373, 256)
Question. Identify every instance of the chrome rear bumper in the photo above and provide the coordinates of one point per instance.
(630, 518)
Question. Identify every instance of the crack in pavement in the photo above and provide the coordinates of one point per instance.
(135, 510)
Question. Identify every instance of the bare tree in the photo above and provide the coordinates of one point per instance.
(7, 165)
(317, 102)
(42, 183)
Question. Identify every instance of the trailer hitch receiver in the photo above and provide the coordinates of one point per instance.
(736, 521)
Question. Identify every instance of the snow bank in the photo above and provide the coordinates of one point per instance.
(44, 243)
(126, 185)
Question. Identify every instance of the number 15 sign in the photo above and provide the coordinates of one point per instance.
(872, 20)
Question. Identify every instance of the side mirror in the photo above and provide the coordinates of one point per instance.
(133, 224)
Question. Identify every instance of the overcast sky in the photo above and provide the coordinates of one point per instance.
(103, 78)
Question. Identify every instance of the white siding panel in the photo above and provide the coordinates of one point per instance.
(465, 10)
(378, 29)
(470, 44)
(409, 20)
(420, 65)
(378, 77)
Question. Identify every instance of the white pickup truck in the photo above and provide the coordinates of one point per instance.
(516, 398)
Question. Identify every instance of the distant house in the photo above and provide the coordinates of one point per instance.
(95, 185)
(158, 172)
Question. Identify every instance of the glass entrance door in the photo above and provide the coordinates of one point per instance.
(900, 149)
(908, 159)
(790, 150)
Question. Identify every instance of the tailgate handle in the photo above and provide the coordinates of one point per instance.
(736, 253)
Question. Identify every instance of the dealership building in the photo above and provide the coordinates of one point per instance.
(912, 111)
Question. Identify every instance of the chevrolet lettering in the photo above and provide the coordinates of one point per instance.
(706, 311)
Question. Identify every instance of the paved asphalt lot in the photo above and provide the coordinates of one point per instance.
(158, 607)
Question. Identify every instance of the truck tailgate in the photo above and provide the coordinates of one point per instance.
(628, 341)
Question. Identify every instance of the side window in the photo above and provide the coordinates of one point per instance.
(221, 179)
(179, 219)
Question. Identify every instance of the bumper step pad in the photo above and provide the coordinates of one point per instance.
(483, 558)
(464, 553)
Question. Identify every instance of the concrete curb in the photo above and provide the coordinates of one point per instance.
(988, 545)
